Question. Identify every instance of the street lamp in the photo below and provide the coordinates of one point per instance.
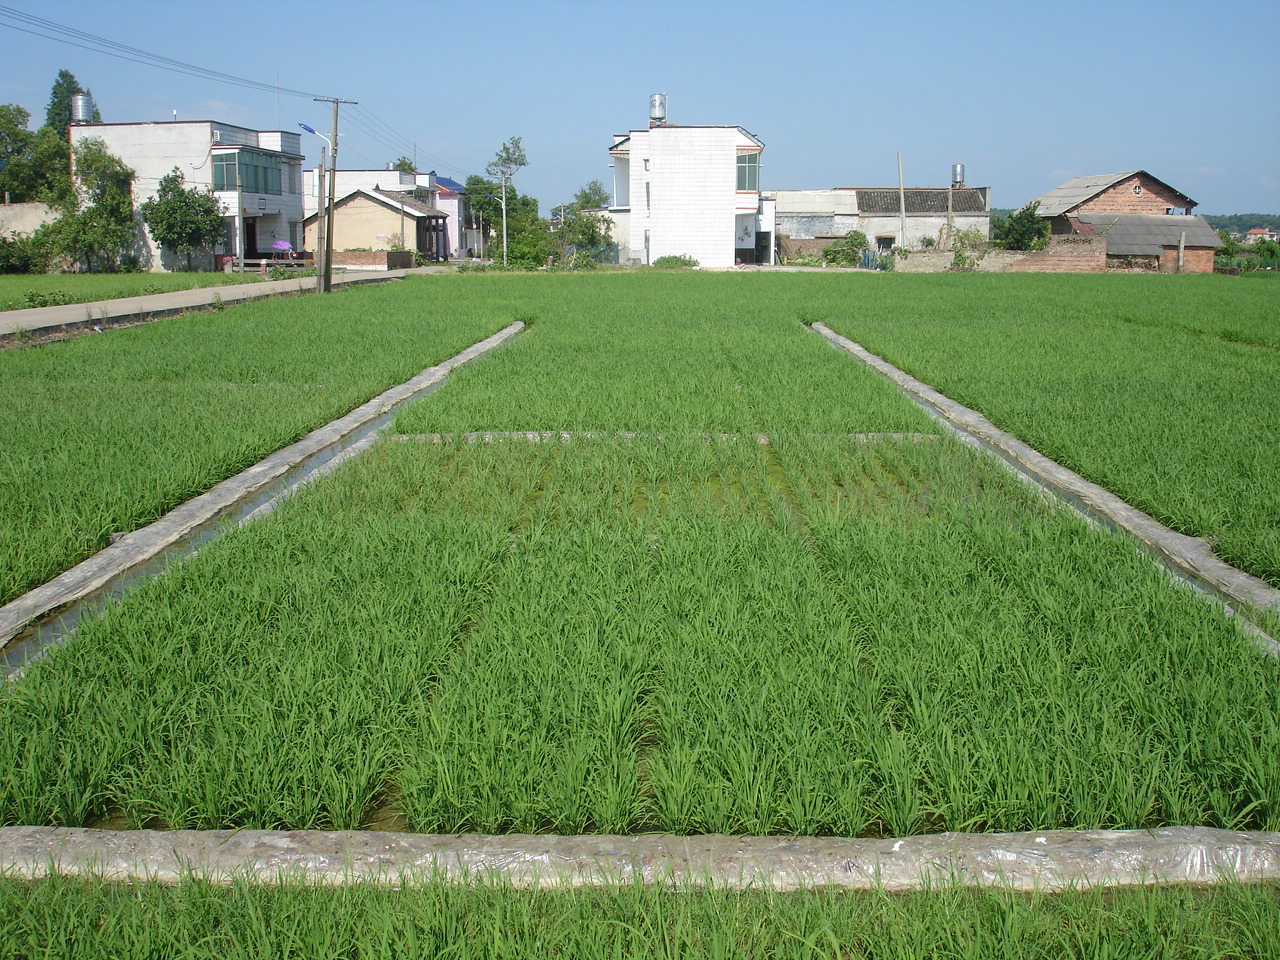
(322, 261)
(503, 201)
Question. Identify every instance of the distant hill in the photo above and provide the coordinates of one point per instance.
(1235, 222)
(1240, 222)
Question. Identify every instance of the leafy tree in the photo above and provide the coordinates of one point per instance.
(1264, 248)
(58, 114)
(593, 196)
(97, 222)
(181, 219)
(509, 159)
(848, 250)
(1230, 245)
(581, 234)
(404, 165)
(15, 144)
(1024, 229)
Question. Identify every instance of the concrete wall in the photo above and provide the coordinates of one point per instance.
(24, 218)
(360, 222)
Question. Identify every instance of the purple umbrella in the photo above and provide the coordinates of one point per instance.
(282, 246)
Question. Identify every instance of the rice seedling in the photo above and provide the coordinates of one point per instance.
(69, 918)
(1163, 390)
(19, 291)
(101, 435)
(679, 628)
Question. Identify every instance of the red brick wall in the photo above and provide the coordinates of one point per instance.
(1194, 260)
(1065, 254)
(391, 259)
(1154, 198)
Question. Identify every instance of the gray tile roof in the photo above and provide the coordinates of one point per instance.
(883, 201)
(412, 205)
(1139, 234)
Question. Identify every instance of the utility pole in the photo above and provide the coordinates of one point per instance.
(320, 223)
(504, 221)
(327, 283)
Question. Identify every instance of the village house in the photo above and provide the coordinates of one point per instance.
(256, 174)
(690, 191)
(1146, 223)
(913, 218)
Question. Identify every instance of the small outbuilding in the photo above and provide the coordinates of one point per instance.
(382, 220)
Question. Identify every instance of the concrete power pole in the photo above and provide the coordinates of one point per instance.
(327, 282)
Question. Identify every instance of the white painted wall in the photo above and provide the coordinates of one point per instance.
(152, 150)
(682, 186)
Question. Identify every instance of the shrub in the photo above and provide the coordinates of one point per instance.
(673, 261)
(847, 251)
(1024, 229)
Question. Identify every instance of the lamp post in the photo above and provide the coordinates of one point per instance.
(503, 201)
(322, 262)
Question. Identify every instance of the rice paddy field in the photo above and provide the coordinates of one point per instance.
(80, 921)
(101, 435)
(751, 590)
(19, 291)
(1163, 390)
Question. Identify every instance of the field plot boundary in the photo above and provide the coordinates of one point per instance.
(564, 436)
(1043, 860)
(1189, 555)
(141, 546)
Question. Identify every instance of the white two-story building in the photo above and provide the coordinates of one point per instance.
(257, 174)
(690, 191)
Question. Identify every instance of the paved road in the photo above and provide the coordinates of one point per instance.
(43, 320)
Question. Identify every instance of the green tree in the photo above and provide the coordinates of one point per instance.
(1024, 229)
(580, 234)
(404, 165)
(58, 114)
(1230, 245)
(96, 224)
(181, 219)
(848, 250)
(507, 161)
(15, 145)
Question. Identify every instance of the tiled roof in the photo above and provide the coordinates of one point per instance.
(1137, 234)
(883, 201)
(411, 205)
(453, 186)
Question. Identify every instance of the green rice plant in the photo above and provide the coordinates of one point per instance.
(101, 435)
(1161, 389)
(20, 291)
(660, 623)
(89, 920)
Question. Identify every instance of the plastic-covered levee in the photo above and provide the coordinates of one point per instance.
(1045, 860)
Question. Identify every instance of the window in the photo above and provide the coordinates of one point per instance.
(224, 171)
(250, 172)
(749, 171)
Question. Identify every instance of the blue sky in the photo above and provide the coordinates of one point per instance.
(1026, 94)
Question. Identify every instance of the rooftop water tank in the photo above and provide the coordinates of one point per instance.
(657, 109)
(81, 108)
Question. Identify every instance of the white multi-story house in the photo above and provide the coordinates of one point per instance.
(257, 174)
(690, 191)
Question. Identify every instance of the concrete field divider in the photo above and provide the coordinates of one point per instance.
(138, 547)
(1040, 860)
(1191, 557)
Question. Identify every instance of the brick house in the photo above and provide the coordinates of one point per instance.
(1147, 224)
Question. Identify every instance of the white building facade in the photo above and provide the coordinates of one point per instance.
(691, 191)
(256, 174)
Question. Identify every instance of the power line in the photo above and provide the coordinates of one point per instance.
(375, 128)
